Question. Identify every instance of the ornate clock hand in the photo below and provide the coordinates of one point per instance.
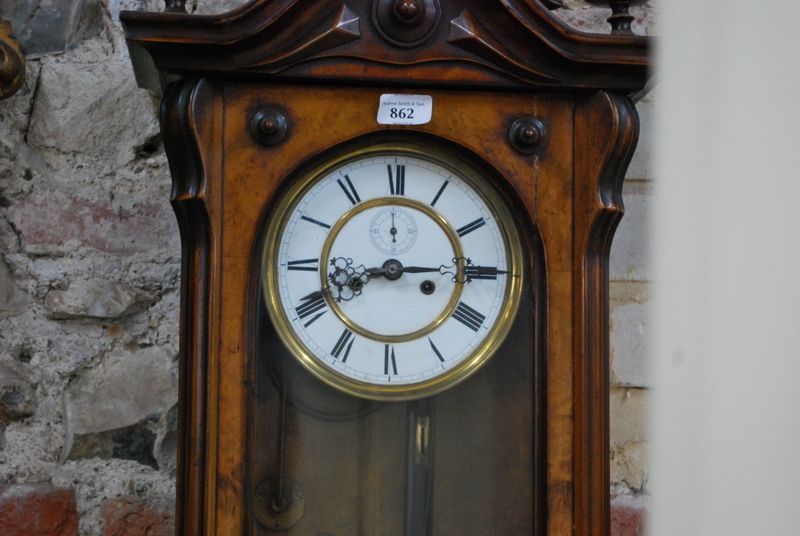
(347, 280)
(393, 269)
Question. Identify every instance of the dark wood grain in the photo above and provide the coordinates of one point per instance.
(511, 44)
(183, 139)
(598, 176)
(321, 65)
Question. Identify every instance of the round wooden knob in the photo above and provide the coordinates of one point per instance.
(407, 10)
(268, 127)
(406, 23)
(528, 135)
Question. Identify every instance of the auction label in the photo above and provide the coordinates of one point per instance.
(405, 109)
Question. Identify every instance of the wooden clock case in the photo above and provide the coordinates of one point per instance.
(321, 65)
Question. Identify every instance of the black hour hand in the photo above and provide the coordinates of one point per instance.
(316, 294)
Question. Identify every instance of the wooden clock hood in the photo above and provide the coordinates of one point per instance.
(469, 44)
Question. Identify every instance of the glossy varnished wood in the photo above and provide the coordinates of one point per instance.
(571, 200)
(514, 44)
(323, 64)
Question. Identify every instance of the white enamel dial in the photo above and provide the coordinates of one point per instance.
(392, 274)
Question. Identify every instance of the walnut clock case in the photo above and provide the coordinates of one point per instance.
(396, 218)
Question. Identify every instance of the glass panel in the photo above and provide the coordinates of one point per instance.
(461, 462)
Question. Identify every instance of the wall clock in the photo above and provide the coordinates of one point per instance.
(392, 272)
(396, 218)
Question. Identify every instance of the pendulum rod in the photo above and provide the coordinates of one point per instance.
(419, 490)
(280, 502)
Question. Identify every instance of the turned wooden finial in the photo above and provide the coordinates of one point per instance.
(175, 6)
(620, 19)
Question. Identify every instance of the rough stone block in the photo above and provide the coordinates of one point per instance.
(41, 510)
(92, 108)
(131, 516)
(95, 298)
(17, 396)
(166, 445)
(630, 251)
(144, 224)
(122, 390)
(628, 515)
(135, 443)
(588, 19)
(201, 7)
(630, 329)
(15, 111)
(116, 6)
(45, 26)
(13, 301)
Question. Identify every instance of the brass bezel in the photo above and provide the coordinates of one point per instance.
(402, 202)
(281, 213)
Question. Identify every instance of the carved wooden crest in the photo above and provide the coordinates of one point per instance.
(472, 43)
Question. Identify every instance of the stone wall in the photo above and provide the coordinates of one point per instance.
(90, 276)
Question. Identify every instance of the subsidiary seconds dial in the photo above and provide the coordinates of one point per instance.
(393, 230)
(392, 273)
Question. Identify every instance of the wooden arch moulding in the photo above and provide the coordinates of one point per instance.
(396, 218)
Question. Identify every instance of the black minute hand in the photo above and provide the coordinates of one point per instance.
(405, 269)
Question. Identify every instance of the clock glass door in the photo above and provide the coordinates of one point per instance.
(396, 353)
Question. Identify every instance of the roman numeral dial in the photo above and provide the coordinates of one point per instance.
(392, 273)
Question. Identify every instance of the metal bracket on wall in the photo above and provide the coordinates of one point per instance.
(12, 63)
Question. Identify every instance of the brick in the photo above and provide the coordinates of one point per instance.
(131, 516)
(628, 464)
(37, 510)
(628, 515)
(628, 409)
(630, 328)
(630, 251)
(641, 166)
